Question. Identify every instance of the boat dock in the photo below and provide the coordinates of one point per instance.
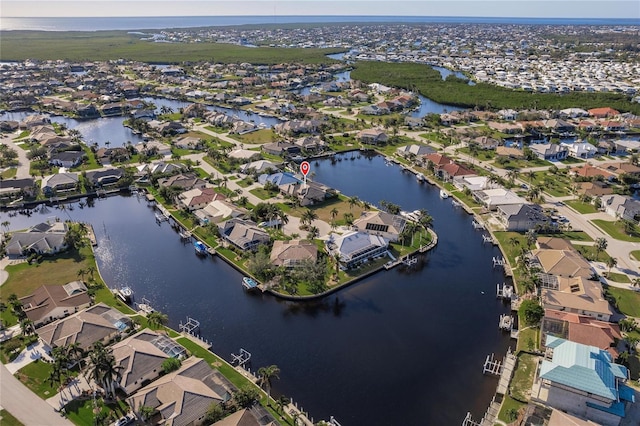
(477, 225)
(241, 358)
(489, 239)
(498, 261)
(505, 292)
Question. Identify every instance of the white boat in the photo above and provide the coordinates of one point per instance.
(200, 248)
(249, 283)
(420, 177)
(443, 194)
(126, 294)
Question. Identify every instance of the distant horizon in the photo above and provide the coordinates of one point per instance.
(544, 9)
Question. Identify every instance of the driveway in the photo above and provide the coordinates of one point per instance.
(24, 405)
(23, 166)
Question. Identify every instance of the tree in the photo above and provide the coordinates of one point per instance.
(146, 412)
(103, 369)
(348, 218)
(266, 375)
(157, 319)
(308, 217)
(353, 201)
(611, 263)
(215, 413)
(600, 245)
(532, 237)
(313, 233)
(171, 364)
(532, 312)
(246, 397)
(282, 402)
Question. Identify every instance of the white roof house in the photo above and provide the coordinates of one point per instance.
(492, 198)
(355, 247)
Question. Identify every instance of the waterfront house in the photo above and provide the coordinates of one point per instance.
(140, 358)
(67, 159)
(112, 155)
(44, 238)
(621, 206)
(309, 193)
(11, 188)
(244, 234)
(582, 380)
(310, 143)
(60, 182)
(293, 253)
(254, 416)
(372, 136)
(492, 198)
(41, 133)
(522, 217)
(414, 150)
(447, 172)
(356, 247)
(279, 179)
(184, 396)
(550, 152)
(51, 302)
(185, 181)
(386, 225)
(103, 178)
(98, 323)
(581, 329)
(562, 263)
(217, 210)
(198, 198)
(578, 295)
(474, 183)
(31, 121)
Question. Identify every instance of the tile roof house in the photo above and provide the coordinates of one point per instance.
(581, 329)
(141, 357)
(198, 198)
(415, 150)
(563, 263)
(310, 193)
(577, 295)
(254, 416)
(604, 112)
(183, 397)
(356, 247)
(522, 217)
(589, 171)
(244, 234)
(492, 198)
(594, 189)
(44, 238)
(293, 253)
(582, 380)
(449, 171)
(217, 210)
(51, 302)
(183, 180)
(96, 323)
(389, 226)
(372, 136)
(59, 182)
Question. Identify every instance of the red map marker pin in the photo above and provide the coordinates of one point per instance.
(304, 168)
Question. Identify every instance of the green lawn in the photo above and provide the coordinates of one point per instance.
(581, 207)
(34, 376)
(618, 278)
(262, 193)
(627, 301)
(616, 230)
(261, 136)
(523, 377)
(9, 173)
(507, 405)
(7, 419)
(81, 412)
(635, 254)
(59, 269)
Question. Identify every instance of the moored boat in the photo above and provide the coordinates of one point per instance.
(126, 294)
(249, 283)
(444, 194)
(200, 248)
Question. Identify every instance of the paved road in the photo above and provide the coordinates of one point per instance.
(25, 405)
(23, 166)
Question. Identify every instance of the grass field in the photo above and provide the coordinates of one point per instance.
(627, 301)
(7, 419)
(580, 207)
(34, 376)
(107, 45)
(616, 230)
(60, 269)
(522, 380)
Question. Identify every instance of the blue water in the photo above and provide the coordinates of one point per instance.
(157, 22)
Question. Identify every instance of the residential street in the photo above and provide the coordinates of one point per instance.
(25, 405)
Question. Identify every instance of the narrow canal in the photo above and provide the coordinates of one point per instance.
(404, 346)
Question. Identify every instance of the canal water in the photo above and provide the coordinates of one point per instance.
(404, 346)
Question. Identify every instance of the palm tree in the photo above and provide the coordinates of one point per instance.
(91, 270)
(308, 217)
(611, 263)
(265, 375)
(313, 233)
(81, 273)
(635, 282)
(103, 369)
(348, 218)
(333, 213)
(5, 225)
(353, 201)
(600, 245)
(157, 319)
(532, 236)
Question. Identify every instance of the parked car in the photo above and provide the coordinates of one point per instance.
(125, 420)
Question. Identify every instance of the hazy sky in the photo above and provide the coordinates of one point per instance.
(493, 8)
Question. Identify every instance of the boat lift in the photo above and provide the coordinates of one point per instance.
(242, 358)
(191, 327)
